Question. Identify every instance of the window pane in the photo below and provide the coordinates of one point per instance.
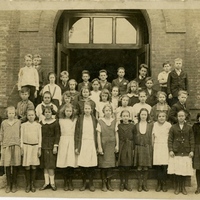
(103, 30)
(79, 33)
(125, 32)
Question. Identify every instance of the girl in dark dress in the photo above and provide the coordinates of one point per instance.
(143, 148)
(126, 149)
(196, 159)
(132, 93)
(50, 141)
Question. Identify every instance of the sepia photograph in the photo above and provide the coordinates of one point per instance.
(100, 99)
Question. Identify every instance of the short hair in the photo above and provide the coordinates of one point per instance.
(37, 56)
(166, 63)
(72, 80)
(49, 108)
(107, 106)
(161, 111)
(84, 88)
(24, 90)
(123, 111)
(181, 111)
(103, 71)
(142, 91)
(125, 96)
(161, 92)
(95, 79)
(62, 111)
(148, 79)
(85, 72)
(28, 56)
(30, 109)
(51, 73)
(144, 66)
(182, 92)
(64, 73)
(148, 115)
(47, 92)
(178, 59)
(87, 103)
(10, 108)
(66, 94)
(129, 86)
(121, 68)
(105, 91)
(197, 118)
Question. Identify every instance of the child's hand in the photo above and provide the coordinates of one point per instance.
(77, 152)
(55, 150)
(170, 96)
(22, 151)
(116, 149)
(100, 151)
(35, 94)
(39, 151)
(171, 153)
(191, 154)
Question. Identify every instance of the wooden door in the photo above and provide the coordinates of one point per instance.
(62, 60)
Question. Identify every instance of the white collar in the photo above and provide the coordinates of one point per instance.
(48, 122)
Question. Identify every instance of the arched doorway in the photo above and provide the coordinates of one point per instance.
(101, 40)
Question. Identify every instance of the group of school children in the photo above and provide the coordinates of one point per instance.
(59, 126)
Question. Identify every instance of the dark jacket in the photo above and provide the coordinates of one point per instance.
(79, 132)
(176, 83)
(107, 86)
(63, 88)
(181, 142)
(196, 130)
(175, 109)
(141, 83)
(122, 85)
(151, 98)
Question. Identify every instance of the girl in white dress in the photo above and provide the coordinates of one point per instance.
(86, 145)
(67, 159)
(95, 93)
(105, 98)
(161, 153)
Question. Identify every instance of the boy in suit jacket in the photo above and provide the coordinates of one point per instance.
(104, 84)
(85, 77)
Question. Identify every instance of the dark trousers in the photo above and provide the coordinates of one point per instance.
(161, 172)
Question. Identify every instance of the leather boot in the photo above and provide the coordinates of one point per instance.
(140, 180)
(183, 190)
(8, 179)
(14, 179)
(91, 184)
(126, 185)
(158, 188)
(176, 185)
(33, 174)
(110, 188)
(66, 183)
(27, 176)
(84, 185)
(103, 178)
(71, 187)
(164, 185)
(121, 187)
(145, 177)
(198, 181)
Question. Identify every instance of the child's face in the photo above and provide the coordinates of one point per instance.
(161, 118)
(31, 116)
(67, 99)
(24, 96)
(142, 97)
(107, 112)
(115, 92)
(143, 72)
(87, 110)
(47, 99)
(85, 77)
(149, 84)
(133, 87)
(35, 61)
(178, 64)
(104, 97)
(72, 85)
(182, 98)
(103, 76)
(47, 114)
(85, 93)
(181, 117)
(95, 86)
(143, 115)
(52, 78)
(167, 67)
(68, 112)
(162, 98)
(125, 101)
(125, 117)
(11, 113)
(64, 78)
(28, 61)
(121, 73)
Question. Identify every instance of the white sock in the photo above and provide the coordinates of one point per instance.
(46, 178)
(52, 180)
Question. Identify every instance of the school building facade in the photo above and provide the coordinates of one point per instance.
(74, 40)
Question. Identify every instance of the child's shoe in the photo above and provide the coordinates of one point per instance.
(121, 188)
(71, 187)
(158, 188)
(127, 187)
(109, 185)
(104, 188)
(53, 187)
